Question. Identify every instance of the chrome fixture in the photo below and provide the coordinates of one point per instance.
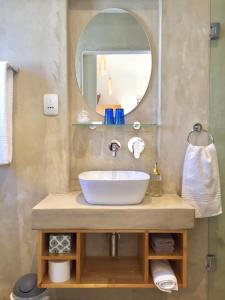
(198, 129)
(215, 29)
(136, 146)
(14, 69)
(114, 146)
(114, 241)
(136, 125)
(211, 263)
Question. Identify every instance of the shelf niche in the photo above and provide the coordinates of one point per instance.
(104, 270)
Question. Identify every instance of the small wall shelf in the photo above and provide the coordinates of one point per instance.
(125, 126)
(104, 271)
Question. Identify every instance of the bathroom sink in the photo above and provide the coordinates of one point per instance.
(114, 187)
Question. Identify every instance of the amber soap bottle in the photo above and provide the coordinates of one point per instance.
(156, 182)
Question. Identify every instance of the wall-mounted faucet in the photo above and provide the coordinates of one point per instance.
(114, 146)
(136, 146)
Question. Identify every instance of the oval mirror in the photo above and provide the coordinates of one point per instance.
(113, 61)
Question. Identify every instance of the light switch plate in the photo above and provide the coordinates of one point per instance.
(51, 104)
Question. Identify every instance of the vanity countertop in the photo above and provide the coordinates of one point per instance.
(70, 211)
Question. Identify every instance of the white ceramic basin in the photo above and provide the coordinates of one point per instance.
(114, 187)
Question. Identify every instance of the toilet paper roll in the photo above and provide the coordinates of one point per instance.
(59, 271)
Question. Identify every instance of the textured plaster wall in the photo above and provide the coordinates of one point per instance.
(217, 127)
(33, 35)
(185, 95)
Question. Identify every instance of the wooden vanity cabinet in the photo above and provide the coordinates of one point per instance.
(104, 271)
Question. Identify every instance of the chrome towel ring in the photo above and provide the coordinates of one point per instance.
(198, 128)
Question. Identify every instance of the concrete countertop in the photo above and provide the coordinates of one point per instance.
(70, 211)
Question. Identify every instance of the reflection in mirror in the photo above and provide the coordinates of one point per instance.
(113, 61)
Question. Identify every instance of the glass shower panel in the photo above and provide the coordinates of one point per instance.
(217, 128)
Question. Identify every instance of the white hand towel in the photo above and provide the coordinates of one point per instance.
(163, 276)
(201, 181)
(6, 113)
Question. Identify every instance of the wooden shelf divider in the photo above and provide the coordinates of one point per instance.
(69, 256)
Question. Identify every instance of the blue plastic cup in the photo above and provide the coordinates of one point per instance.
(119, 119)
(109, 118)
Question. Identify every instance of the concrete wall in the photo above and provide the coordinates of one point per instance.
(217, 127)
(184, 101)
(33, 35)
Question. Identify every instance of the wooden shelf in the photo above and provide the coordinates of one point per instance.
(65, 256)
(107, 270)
(46, 283)
(177, 259)
(177, 266)
(44, 251)
(59, 256)
(177, 254)
(165, 257)
(111, 272)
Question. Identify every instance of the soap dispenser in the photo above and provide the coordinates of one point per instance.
(156, 182)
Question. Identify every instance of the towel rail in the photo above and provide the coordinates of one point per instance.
(197, 128)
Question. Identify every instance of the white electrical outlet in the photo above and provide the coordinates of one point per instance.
(51, 105)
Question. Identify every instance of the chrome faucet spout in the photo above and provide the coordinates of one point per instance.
(114, 146)
(114, 150)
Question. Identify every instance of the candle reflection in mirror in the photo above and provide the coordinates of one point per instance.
(109, 86)
(102, 65)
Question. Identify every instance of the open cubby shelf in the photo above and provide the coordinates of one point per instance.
(46, 283)
(176, 255)
(104, 271)
(108, 270)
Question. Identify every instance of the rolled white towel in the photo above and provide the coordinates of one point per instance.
(163, 276)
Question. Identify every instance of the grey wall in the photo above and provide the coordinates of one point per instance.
(34, 36)
(185, 93)
(217, 127)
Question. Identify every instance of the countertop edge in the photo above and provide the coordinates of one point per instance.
(146, 216)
